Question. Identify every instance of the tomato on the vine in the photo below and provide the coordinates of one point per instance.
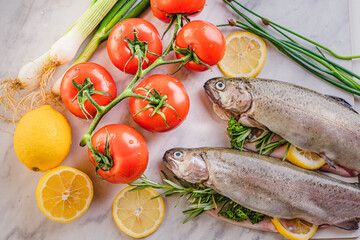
(161, 8)
(205, 39)
(118, 48)
(87, 74)
(127, 149)
(177, 98)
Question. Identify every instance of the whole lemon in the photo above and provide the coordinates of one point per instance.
(42, 139)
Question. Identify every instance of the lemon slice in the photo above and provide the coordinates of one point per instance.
(136, 213)
(64, 193)
(304, 159)
(295, 229)
(244, 56)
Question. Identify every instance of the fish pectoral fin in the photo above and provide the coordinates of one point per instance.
(248, 121)
(348, 225)
(342, 102)
(222, 113)
(328, 161)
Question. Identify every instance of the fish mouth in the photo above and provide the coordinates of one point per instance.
(168, 162)
(212, 94)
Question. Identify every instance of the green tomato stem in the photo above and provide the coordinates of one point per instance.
(102, 110)
(93, 102)
(176, 29)
(150, 100)
(99, 115)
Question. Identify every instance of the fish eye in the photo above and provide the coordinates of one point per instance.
(220, 85)
(178, 155)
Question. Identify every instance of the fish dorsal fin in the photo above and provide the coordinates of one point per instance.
(348, 225)
(342, 102)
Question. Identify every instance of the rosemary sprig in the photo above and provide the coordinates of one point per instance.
(312, 61)
(200, 197)
(264, 143)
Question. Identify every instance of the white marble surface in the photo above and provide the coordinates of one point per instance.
(354, 6)
(28, 28)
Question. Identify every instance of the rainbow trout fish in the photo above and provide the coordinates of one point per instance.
(305, 118)
(269, 186)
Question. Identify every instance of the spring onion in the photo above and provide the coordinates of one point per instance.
(118, 13)
(312, 61)
(37, 73)
(65, 49)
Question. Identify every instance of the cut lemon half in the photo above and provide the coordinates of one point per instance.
(64, 193)
(304, 159)
(136, 213)
(295, 229)
(244, 55)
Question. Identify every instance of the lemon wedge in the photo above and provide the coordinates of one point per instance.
(295, 229)
(64, 193)
(304, 159)
(136, 213)
(244, 55)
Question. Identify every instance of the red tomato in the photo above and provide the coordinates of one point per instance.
(159, 14)
(205, 39)
(128, 150)
(162, 7)
(118, 48)
(176, 97)
(101, 79)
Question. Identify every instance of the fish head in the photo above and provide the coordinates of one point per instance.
(230, 94)
(187, 164)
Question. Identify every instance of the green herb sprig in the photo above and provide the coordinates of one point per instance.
(264, 143)
(239, 213)
(201, 199)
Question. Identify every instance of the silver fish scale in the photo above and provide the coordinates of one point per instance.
(279, 189)
(308, 120)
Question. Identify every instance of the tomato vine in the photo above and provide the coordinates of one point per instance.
(138, 48)
(135, 47)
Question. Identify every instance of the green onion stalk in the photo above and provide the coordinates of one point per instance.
(118, 13)
(36, 73)
(315, 62)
